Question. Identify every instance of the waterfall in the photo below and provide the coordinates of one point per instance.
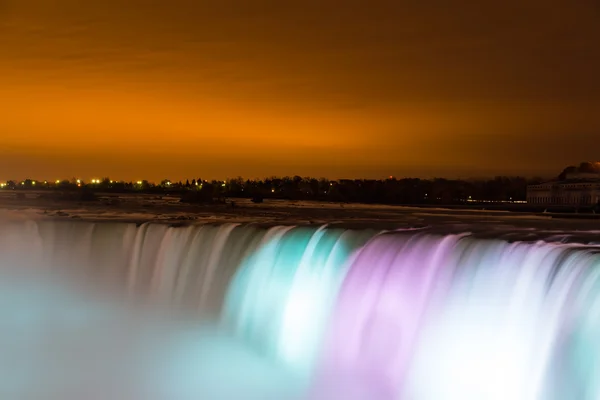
(180, 267)
(295, 312)
(381, 307)
(281, 297)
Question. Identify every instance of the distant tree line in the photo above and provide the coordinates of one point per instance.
(584, 167)
(387, 191)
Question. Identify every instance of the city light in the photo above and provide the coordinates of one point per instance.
(476, 198)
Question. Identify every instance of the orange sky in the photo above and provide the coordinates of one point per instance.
(215, 89)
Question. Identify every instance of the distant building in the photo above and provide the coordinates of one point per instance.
(577, 189)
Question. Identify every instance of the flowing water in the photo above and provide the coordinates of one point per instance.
(110, 310)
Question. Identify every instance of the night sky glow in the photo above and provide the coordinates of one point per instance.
(188, 88)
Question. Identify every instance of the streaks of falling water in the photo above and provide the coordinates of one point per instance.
(422, 317)
(403, 315)
(380, 308)
(280, 299)
(495, 334)
(72, 345)
(188, 267)
(575, 366)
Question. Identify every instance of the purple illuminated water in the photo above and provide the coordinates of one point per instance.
(389, 289)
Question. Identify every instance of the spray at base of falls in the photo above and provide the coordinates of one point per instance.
(319, 312)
